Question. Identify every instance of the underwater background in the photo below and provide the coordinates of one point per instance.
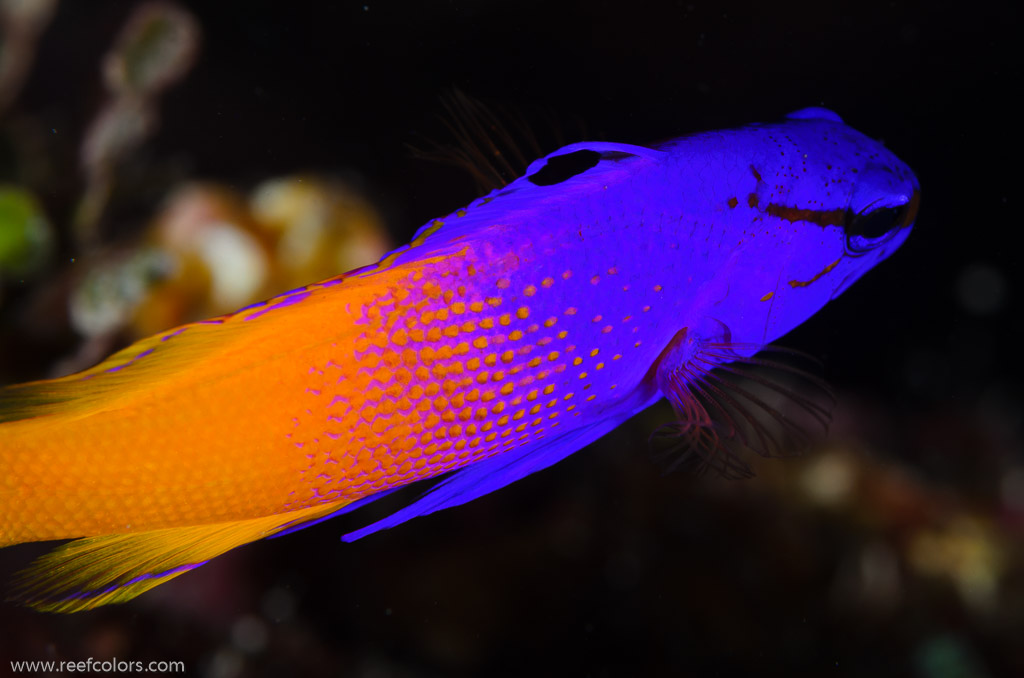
(129, 130)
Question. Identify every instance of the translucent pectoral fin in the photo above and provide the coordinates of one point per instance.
(729, 397)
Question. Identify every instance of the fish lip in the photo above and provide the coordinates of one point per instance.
(883, 251)
(848, 280)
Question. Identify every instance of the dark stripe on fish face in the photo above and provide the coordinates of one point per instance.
(888, 218)
(822, 218)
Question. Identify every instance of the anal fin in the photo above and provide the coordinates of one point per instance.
(94, 571)
(303, 523)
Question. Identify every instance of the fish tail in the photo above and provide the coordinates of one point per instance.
(87, 573)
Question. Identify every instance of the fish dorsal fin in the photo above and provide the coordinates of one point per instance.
(575, 159)
(729, 397)
(488, 142)
(87, 573)
(814, 113)
(146, 361)
(492, 474)
(135, 365)
(569, 168)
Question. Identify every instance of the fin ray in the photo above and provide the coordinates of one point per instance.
(484, 146)
(724, 405)
(137, 366)
(301, 524)
(166, 352)
(87, 573)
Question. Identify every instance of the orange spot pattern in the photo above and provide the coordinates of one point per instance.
(450, 366)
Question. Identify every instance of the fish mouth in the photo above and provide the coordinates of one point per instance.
(850, 278)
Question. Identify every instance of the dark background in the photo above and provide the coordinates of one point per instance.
(601, 565)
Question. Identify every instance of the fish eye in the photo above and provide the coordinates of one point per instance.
(876, 223)
(870, 228)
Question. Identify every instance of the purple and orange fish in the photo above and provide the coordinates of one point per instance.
(503, 338)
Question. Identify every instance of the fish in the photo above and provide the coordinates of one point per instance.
(504, 337)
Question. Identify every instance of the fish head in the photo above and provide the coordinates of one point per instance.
(882, 210)
(824, 210)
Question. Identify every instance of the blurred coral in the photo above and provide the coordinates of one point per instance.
(206, 253)
(26, 237)
(21, 22)
(157, 46)
(321, 227)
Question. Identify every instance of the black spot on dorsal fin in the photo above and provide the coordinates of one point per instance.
(559, 168)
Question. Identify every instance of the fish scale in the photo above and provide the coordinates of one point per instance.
(461, 381)
(503, 338)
